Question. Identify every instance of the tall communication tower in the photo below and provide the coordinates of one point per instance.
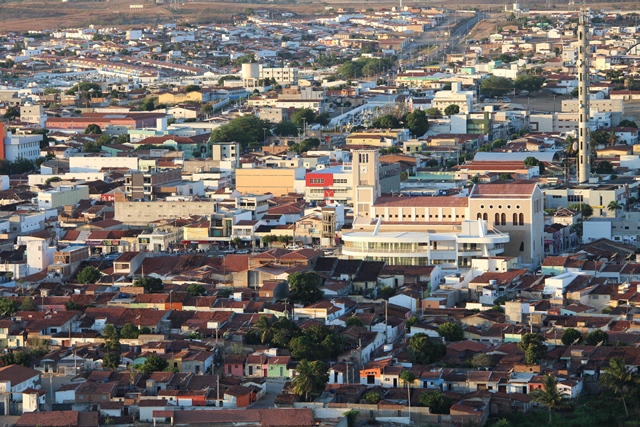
(584, 152)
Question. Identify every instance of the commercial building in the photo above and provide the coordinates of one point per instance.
(64, 195)
(446, 230)
(455, 96)
(597, 196)
(254, 74)
(152, 185)
(142, 213)
(274, 180)
(15, 147)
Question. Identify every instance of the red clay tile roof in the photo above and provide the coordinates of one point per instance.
(58, 419)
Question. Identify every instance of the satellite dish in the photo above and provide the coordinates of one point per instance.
(575, 146)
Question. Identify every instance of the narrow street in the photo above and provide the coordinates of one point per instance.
(274, 387)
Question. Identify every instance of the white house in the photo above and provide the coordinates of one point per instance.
(15, 379)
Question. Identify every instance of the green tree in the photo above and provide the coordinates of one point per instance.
(264, 329)
(603, 137)
(614, 206)
(195, 290)
(620, 379)
(417, 122)
(433, 112)
(311, 378)
(304, 287)
(150, 284)
(372, 398)
(505, 176)
(604, 168)
(303, 348)
(7, 307)
(571, 336)
(303, 116)
(153, 363)
(322, 118)
(243, 129)
(451, 110)
(499, 143)
(354, 321)
(93, 129)
(28, 305)
(129, 331)
(529, 82)
(451, 332)
(548, 395)
(533, 347)
(352, 417)
(72, 306)
(596, 337)
(411, 320)
(425, 350)
(586, 209)
(286, 128)
(191, 88)
(111, 361)
(89, 275)
(496, 86)
(482, 360)
(308, 145)
(628, 123)
(408, 378)
(112, 338)
(437, 402)
(388, 121)
(532, 161)
(386, 292)
(245, 59)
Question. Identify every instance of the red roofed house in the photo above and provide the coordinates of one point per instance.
(234, 364)
(239, 396)
(58, 419)
(17, 378)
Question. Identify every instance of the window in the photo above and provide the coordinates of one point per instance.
(515, 219)
(521, 219)
(497, 220)
(485, 216)
(503, 218)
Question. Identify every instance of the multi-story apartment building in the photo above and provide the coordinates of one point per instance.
(278, 181)
(446, 230)
(597, 196)
(335, 184)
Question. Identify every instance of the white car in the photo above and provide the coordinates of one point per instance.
(229, 251)
(243, 251)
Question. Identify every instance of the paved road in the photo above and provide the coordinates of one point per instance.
(274, 387)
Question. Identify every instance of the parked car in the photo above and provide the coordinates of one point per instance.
(243, 251)
(229, 251)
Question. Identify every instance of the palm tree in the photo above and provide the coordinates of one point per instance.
(619, 378)
(264, 328)
(311, 378)
(612, 138)
(408, 377)
(614, 205)
(548, 395)
(302, 383)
